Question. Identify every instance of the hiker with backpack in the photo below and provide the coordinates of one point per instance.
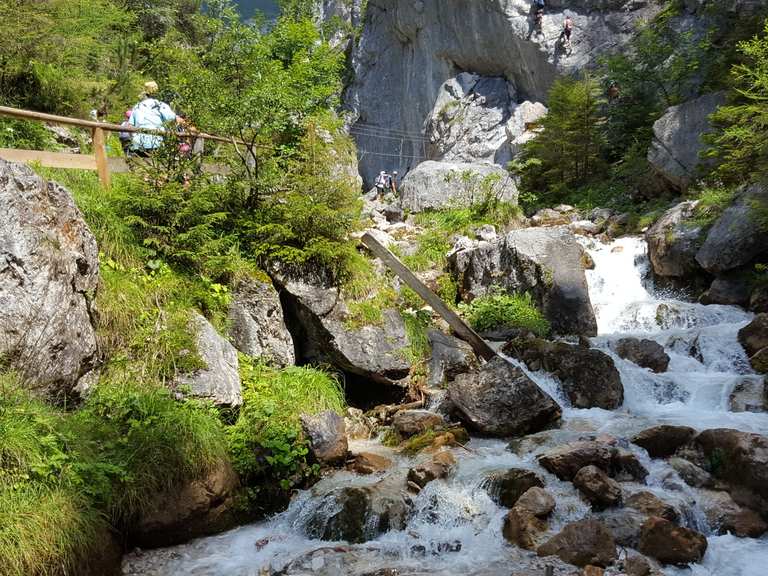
(383, 183)
(151, 114)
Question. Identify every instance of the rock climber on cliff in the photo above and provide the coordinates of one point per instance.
(565, 35)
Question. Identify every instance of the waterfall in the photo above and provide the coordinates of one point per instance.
(455, 527)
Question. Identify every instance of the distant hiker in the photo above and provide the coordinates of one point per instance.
(565, 36)
(151, 114)
(126, 137)
(614, 91)
(393, 183)
(383, 183)
(539, 20)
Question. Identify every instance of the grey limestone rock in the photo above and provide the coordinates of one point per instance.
(257, 326)
(49, 272)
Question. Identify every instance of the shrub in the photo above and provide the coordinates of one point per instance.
(498, 310)
(266, 442)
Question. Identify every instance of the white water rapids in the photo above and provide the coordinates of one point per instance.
(455, 528)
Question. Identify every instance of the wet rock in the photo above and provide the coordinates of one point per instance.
(749, 395)
(645, 353)
(257, 326)
(671, 544)
(690, 473)
(410, 422)
(754, 336)
(565, 461)
(326, 433)
(731, 291)
(198, 508)
(536, 501)
(49, 273)
(726, 516)
(673, 242)
(545, 262)
(651, 505)
(674, 152)
(664, 440)
(625, 524)
(501, 400)
(219, 381)
(369, 463)
(758, 300)
(506, 488)
(357, 514)
(436, 185)
(741, 460)
(731, 241)
(450, 357)
(588, 376)
(358, 425)
(439, 466)
(625, 467)
(637, 565)
(582, 543)
(598, 489)
(523, 529)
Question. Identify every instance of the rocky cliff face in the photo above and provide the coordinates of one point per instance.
(410, 48)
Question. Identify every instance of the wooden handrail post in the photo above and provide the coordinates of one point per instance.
(100, 151)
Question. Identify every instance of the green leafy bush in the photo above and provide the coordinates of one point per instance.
(266, 443)
(498, 310)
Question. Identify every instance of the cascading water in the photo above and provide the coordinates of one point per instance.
(455, 527)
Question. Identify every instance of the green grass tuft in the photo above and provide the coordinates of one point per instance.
(499, 310)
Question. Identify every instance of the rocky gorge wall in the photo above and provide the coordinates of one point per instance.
(410, 48)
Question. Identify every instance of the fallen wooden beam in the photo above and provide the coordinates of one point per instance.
(462, 330)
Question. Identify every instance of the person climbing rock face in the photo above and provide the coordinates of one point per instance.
(565, 36)
(151, 114)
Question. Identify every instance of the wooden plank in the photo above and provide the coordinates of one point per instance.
(50, 159)
(100, 151)
(480, 346)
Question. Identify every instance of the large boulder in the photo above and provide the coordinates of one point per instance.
(750, 394)
(198, 508)
(582, 543)
(589, 377)
(501, 400)
(671, 544)
(754, 336)
(548, 263)
(439, 185)
(49, 272)
(663, 440)
(673, 242)
(257, 326)
(439, 466)
(359, 513)
(741, 460)
(726, 516)
(676, 145)
(318, 319)
(523, 529)
(645, 353)
(651, 505)
(219, 380)
(735, 240)
(326, 433)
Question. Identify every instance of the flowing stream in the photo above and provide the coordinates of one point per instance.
(455, 527)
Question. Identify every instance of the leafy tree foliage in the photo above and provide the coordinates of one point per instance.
(740, 143)
(567, 152)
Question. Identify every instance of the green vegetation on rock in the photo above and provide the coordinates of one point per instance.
(500, 310)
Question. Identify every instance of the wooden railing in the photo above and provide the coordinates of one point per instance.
(98, 161)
